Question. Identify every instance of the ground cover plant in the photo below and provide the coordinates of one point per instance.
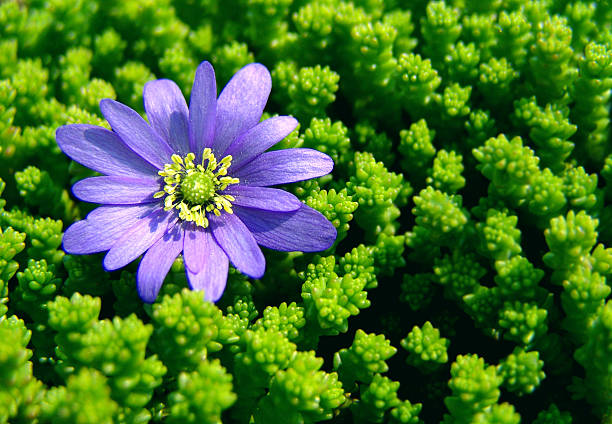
(470, 195)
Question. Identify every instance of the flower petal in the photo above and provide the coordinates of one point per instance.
(156, 263)
(102, 228)
(270, 199)
(240, 105)
(284, 166)
(202, 109)
(238, 244)
(138, 239)
(167, 113)
(116, 190)
(305, 230)
(101, 150)
(136, 133)
(195, 246)
(81, 239)
(259, 139)
(211, 274)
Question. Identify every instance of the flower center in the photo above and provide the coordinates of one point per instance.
(194, 189)
(198, 188)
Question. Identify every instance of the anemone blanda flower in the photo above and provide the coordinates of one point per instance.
(193, 181)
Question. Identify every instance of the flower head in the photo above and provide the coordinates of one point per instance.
(194, 181)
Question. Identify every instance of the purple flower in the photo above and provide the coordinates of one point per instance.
(194, 181)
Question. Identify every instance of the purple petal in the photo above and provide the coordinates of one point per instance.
(136, 133)
(284, 166)
(81, 238)
(101, 150)
(212, 266)
(116, 190)
(195, 246)
(238, 244)
(156, 263)
(259, 139)
(270, 199)
(138, 239)
(202, 109)
(102, 228)
(168, 114)
(240, 105)
(304, 230)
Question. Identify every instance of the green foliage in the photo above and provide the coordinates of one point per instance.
(310, 91)
(480, 126)
(376, 399)
(288, 319)
(229, 58)
(552, 415)
(30, 81)
(360, 262)
(328, 137)
(514, 37)
(517, 278)
(80, 269)
(495, 80)
(178, 65)
(461, 63)
(338, 207)
(440, 29)
(523, 322)
(388, 254)
(474, 386)
(11, 243)
(522, 371)
(495, 113)
(498, 414)
(85, 398)
(115, 348)
(509, 166)
(406, 413)
(446, 172)
(15, 369)
(366, 137)
(455, 104)
(330, 299)
(129, 81)
(549, 130)
(301, 393)
(379, 193)
(38, 284)
(201, 395)
(264, 352)
(417, 290)
(584, 293)
(40, 192)
(373, 58)
(580, 188)
(459, 273)
(440, 217)
(426, 349)
(590, 113)
(595, 357)
(188, 329)
(364, 359)
(44, 235)
(417, 84)
(416, 147)
(551, 68)
(569, 238)
(500, 239)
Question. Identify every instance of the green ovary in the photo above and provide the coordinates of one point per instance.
(193, 189)
(198, 188)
